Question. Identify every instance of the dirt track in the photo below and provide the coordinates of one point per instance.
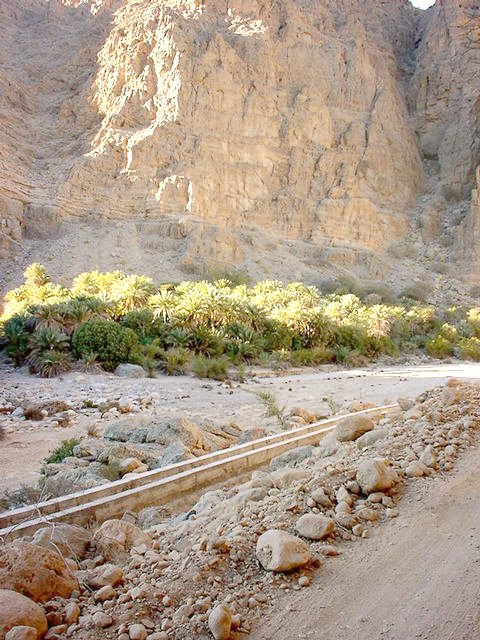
(417, 577)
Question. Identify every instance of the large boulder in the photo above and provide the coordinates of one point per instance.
(284, 478)
(37, 572)
(329, 445)
(70, 480)
(352, 428)
(128, 370)
(152, 430)
(116, 537)
(17, 610)
(69, 540)
(314, 526)
(280, 551)
(376, 475)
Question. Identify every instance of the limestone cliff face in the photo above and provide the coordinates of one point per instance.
(446, 93)
(200, 121)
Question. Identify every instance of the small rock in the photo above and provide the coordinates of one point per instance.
(137, 632)
(352, 428)
(405, 403)
(371, 438)
(314, 527)
(17, 610)
(367, 514)
(429, 456)
(69, 540)
(115, 537)
(220, 622)
(72, 611)
(416, 469)
(321, 498)
(376, 475)
(22, 633)
(280, 551)
(102, 620)
(105, 593)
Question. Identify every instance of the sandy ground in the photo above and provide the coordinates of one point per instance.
(324, 392)
(417, 577)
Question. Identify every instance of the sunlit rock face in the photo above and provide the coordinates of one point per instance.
(209, 123)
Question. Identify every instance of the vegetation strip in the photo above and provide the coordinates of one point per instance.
(208, 328)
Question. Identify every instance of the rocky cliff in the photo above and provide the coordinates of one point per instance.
(284, 137)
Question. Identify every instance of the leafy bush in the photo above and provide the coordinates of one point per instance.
(51, 363)
(439, 347)
(112, 343)
(215, 368)
(16, 334)
(64, 450)
(419, 291)
(114, 317)
(174, 362)
(144, 323)
(310, 357)
(470, 349)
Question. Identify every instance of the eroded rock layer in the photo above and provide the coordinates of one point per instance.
(194, 127)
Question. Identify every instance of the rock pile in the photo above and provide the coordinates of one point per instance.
(217, 567)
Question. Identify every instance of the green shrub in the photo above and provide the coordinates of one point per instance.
(64, 450)
(144, 323)
(15, 336)
(112, 343)
(205, 341)
(174, 362)
(469, 349)
(419, 291)
(215, 368)
(51, 363)
(439, 347)
(311, 357)
(48, 355)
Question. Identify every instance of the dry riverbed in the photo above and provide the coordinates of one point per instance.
(322, 391)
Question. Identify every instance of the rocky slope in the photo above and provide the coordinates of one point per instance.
(280, 138)
(222, 566)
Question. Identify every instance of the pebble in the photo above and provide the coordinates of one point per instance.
(101, 619)
(137, 632)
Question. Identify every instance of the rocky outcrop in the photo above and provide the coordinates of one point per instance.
(154, 124)
(467, 245)
(445, 90)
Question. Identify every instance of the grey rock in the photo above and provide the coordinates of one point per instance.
(175, 452)
(371, 437)
(128, 370)
(292, 457)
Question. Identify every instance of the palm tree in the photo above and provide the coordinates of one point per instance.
(36, 275)
(132, 293)
(163, 304)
